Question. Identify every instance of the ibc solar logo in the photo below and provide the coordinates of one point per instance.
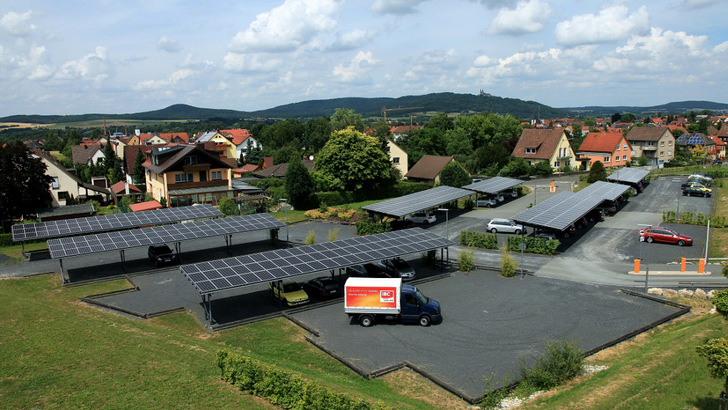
(386, 296)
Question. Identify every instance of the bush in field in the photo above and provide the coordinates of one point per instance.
(333, 234)
(508, 264)
(466, 260)
(561, 362)
(310, 238)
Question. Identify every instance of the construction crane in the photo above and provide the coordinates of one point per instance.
(385, 109)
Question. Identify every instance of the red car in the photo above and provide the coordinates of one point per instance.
(667, 235)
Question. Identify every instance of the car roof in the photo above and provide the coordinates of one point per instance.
(500, 220)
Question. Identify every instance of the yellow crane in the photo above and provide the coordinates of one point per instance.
(385, 109)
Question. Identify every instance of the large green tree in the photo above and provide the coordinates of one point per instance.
(352, 160)
(344, 118)
(597, 172)
(300, 185)
(454, 175)
(317, 133)
(140, 179)
(24, 185)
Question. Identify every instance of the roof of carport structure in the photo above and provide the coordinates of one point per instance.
(567, 207)
(629, 175)
(493, 185)
(419, 201)
(230, 273)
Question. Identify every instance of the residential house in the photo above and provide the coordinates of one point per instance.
(67, 187)
(188, 174)
(240, 137)
(224, 146)
(428, 168)
(611, 148)
(175, 137)
(723, 132)
(398, 157)
(657, 144)
(552, 146)
(153, 139)
(279, 170)
(720, 148)
(402, 130)
(697, 142)
(124, 188)
(87, 154)
(130, 154)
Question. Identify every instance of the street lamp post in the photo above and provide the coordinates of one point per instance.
(285, 201)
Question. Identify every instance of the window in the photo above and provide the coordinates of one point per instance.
(617, 147)
(55, 184)
(624, 157)
(63, 196)
(192, 159)
(606, 159)
(669, 153)
(625, 147)
(616, 158)
(395, 160)
(556, 164)
(530, 150)
(669, 143)
(216, 175)
(662, 153)
(181, 178)
(662, 143)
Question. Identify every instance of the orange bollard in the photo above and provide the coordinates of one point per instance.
(682, 266)
(636, 266)
(701, 266)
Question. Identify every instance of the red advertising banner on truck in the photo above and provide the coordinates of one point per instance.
(372, 296)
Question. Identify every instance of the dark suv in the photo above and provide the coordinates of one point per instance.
(161, 254)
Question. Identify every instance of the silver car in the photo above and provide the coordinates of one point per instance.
(504, 225)
(397, 268)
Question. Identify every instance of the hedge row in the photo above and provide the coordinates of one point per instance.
(690, 218)
(541, 246)
(490, 241)
(290, 391)
(479, 239)
(6, 239)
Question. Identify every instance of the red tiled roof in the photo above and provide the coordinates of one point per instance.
(238, 136)
(145, 206)
(601, 142)
(170, 136)
(543, 141)
(119, 188)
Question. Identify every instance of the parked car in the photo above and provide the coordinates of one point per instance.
(288, 292)
(504, 225)
(512, 192)
(160, 254)
(667, 235)
(486, 202)
(398, 268)
(422, 218)
(596, 214)
(367, 270)
(545, 235)
(696, 190)
(324, 287)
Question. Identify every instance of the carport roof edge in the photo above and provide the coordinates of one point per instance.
(493, 185)
(418, 201)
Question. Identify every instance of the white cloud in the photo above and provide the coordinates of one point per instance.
(612, 24)
(92, 66)
(17, 24)
(287, 27)
(167, 44)
(357, 69)
(174, 79)
(527, 17)
(696, 4)
(250, 62)
(352, 39)
(399, 7)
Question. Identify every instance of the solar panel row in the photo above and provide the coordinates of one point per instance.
(109, 241)
(567, 208)
(66, 227)
(493, 185)
(223, 274)
(430, 198)
(629, 175)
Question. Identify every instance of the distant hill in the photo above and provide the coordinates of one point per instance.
(669, 108)
(372, 107)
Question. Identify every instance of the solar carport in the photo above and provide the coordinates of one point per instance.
(565, 209)
(493, 185)
(121, 240)
(232, 273)
(634, 177)
(419, 201)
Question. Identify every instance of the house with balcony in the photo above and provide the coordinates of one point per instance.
(222, 144)
(657, 144)
(187, 175)
(611, 148)
(66, 188)
(544, 145)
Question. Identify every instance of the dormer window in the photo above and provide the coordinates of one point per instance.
(191, 160)
(530, 150)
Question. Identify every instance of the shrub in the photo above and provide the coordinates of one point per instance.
(540, 246)
(561, 362)
(310, 238)
(228, 207)
(479, 240)
(6, 239)
(508, 264)
(333, 234)
(370, 226)
(466, 260)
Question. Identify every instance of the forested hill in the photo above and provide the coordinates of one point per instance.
(366, 107)
(669, 108)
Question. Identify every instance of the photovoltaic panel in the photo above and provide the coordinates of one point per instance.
(279, 264)
(116, 240)
(605, 190)
(66, 227)
(493, 185)
(629, 175)
(419, 201)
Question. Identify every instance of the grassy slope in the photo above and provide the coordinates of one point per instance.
(58, 352)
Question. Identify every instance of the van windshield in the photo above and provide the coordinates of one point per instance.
(421, 296)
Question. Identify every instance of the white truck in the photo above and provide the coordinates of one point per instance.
(367, 299)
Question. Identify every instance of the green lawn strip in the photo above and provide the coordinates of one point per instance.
(15, 251)
(58, 352)
(718, 246)
(661, 371)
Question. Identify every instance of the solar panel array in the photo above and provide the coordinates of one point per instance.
(493, 185)
(229, 273)
(419, 201)
(566, 208)
(116, 240)
(691, 139)
(66, 227)
(630, 175)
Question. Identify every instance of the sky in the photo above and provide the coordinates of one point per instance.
(105, 56)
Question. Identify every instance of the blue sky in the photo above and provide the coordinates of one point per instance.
(76, 57)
